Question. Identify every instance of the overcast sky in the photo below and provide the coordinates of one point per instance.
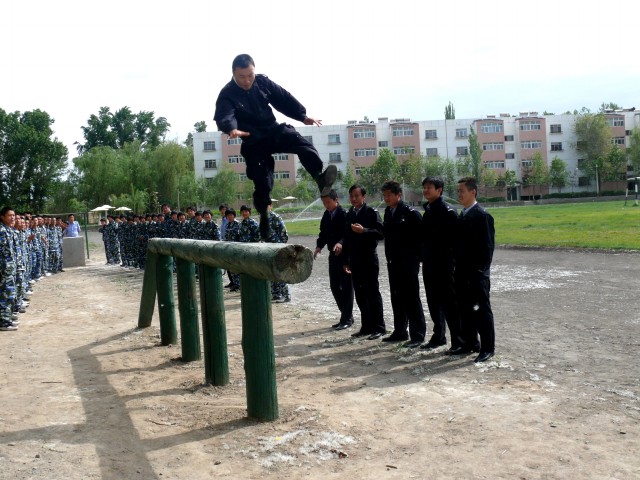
(342, 59)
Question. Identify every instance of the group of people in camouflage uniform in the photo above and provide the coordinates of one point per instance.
(30, 249)
(126, 237)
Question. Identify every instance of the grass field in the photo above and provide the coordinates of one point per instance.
(601, 225)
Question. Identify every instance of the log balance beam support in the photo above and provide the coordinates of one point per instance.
(258, 264)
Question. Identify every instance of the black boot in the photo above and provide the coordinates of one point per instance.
(265, 229)
(326, 179)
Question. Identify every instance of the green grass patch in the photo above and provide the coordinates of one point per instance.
(600, 225)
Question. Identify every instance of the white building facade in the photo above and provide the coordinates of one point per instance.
(508, 143)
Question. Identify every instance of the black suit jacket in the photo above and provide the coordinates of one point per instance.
(475, 242)
(331, 228)
(402, 233)
(361, 247)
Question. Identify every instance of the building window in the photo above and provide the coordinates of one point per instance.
(494, 164)
(493, 146)
(334, 138)
(557, 128)
(335, 157)
(556, 146)
(430, 134)
(280, 157)
(509, 156)
(508, 138)
(615, 121)
(628, 133)
(402, 131)
(432, 152)
(461, 133)
(365, 152)
(404, 150)
(281, 175)
(308, 138)
(236, 159)
(383, 144)
(617, 141)
(210, 164)
(209, 146)
(531, 144)
(583, 181)
(208, 180)
(234, 141)
(527, 163)
(491, 127)
(530, 125)
(358, 170)
(581, 162)
(364, 133)
(461, 151)
(242, 177)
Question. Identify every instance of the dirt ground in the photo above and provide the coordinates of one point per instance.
(85, 394)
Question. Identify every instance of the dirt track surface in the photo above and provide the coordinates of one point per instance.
(85, 394)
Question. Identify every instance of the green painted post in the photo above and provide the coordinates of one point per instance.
(148, 297)
(258, 348)
(188, 308)
(214, 329)
(166, 307)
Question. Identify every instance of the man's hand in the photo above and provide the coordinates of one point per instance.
(312, 121)
(337, 249)
(235, 133)
(316, 252)
(357, 228)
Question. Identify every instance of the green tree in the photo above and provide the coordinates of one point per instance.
(634, 150)
(614, 168)
(558, 174)
(449, 112)
(538, 173)
(608, 106)
(348, 178)
(475, 151)
(510, 180)
(31, 162)
(386, 167)
(411, 172)
(489, 180)
(199, 127)
(222, 188)
(593, 141)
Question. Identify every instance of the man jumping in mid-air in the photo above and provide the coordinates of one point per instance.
(243, 110)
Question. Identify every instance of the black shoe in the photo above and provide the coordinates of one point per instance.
(395, 338)
(335, 325)
(344, 326)
(375, 336)
(431, 345)
(483, 357)
(458, 351)
(234, 289)
(229, 285)
(265, 229)
(413, 344)
(360, 333)
(326, 179)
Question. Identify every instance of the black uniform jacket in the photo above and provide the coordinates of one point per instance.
(475, 242)
(361, 247)
(439, 223)
(331, 228)
(249, 110)
(402, 233)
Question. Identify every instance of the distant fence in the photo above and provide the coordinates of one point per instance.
(258, 264)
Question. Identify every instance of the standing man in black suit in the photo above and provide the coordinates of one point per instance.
(401, 229)
(331, 233)
(474, 253)
(439, 223)
(363, 230)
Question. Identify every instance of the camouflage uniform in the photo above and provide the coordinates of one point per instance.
(279, 290)
(233, 235)
(53, 249)
(111, 243)
(249, 231)
(7, 275)
(209, 231)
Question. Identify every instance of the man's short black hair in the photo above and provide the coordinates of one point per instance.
(245, 208)
(223, 205)
(230, 211)
(333, 195)
(242, 61)
(470, 182)
(392, 186)
(205, 212)
(357, 185)
(437, 182)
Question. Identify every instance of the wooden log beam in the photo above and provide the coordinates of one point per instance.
(263, 261)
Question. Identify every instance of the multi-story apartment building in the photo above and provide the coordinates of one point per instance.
(508, 143)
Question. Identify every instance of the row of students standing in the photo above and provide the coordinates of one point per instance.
(30, 249)
(455, 251)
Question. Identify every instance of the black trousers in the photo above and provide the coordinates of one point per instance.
(260, 164)
(341, 287)
(405, 299)
(474, 306)
(364, 274)
(441, 300)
